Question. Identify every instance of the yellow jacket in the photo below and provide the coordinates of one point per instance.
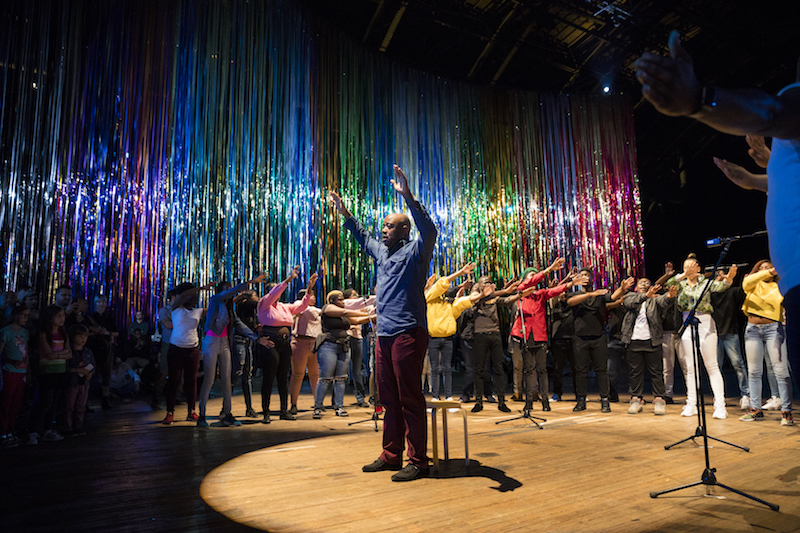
(442, 315)
(762, 297)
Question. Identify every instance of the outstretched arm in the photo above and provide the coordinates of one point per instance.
(670, 84)
(426, 227)
(185, 296)
(367, 241)
(741, 177)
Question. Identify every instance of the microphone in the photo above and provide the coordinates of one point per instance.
(722, 241)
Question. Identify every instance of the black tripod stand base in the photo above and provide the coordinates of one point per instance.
(526, 415)
(375, 418)
(699, 433)
(708, 478)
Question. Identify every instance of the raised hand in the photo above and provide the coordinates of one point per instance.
(669, 270)
(400, 184)
(653, 291)
(337, 202)
(758, 150)
(581, 280)
(312, 281)
(488, 289)
(429, 282)
(600, 292)
(468, 269)
(261, 278)
(627, 283)
(673, 291)
(669, 83)
(558, 264)
(732, 273)
(293, 274)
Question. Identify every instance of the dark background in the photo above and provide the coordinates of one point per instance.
(572, 46)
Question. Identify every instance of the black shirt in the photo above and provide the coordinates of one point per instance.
(563, 323)
(590, 315)
(727, 310)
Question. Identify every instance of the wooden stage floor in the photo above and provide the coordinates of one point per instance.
(583, 472)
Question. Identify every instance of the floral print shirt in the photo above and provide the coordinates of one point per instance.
(688, 295)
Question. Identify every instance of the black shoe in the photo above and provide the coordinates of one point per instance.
(410, 473)
(478, 407)
(669, 400)
(503, 407)
(613, 396)
(265, 420)
(106, 404)
(286, 415)
(581, 405)
(545, 404)
(363, 404)
(605, 407)
(379, 464)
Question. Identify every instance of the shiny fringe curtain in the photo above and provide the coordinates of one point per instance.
(146, 143)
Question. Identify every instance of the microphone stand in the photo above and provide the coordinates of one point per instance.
(376, 401)
(707, 478)
(526, 413)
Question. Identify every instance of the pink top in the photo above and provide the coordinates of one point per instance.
(275, 314)
(212, 334)
(362, 303)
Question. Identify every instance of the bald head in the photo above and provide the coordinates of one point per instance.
(396, 226)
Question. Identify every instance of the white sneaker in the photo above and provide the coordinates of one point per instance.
(449, 398)
(720, 413)
(33, 439)
(773, 404)
(635, 407)
(51, 436)
(745, 403)
(689, 410)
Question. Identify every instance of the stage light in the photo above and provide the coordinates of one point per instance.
(606, 89)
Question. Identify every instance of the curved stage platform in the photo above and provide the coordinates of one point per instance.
(584, 472)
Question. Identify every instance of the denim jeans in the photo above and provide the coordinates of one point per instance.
(760, 339)
(334, 361)
(440, 352)
(216, 348)
(244, 352)
(357, 369)
(732, 345)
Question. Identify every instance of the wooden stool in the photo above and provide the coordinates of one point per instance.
(444, 405)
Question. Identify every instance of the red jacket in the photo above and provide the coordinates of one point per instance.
(532, 307)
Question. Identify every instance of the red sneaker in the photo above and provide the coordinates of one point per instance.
(193, 417)
(169, 419)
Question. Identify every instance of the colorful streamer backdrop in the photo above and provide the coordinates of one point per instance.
(145, 143)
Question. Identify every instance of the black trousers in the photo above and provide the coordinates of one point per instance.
(534, 369)
(489, 346)
(562, 353)
(591, 352)
(641, 355)
(275, 363)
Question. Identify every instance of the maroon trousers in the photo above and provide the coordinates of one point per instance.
(398, 366)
